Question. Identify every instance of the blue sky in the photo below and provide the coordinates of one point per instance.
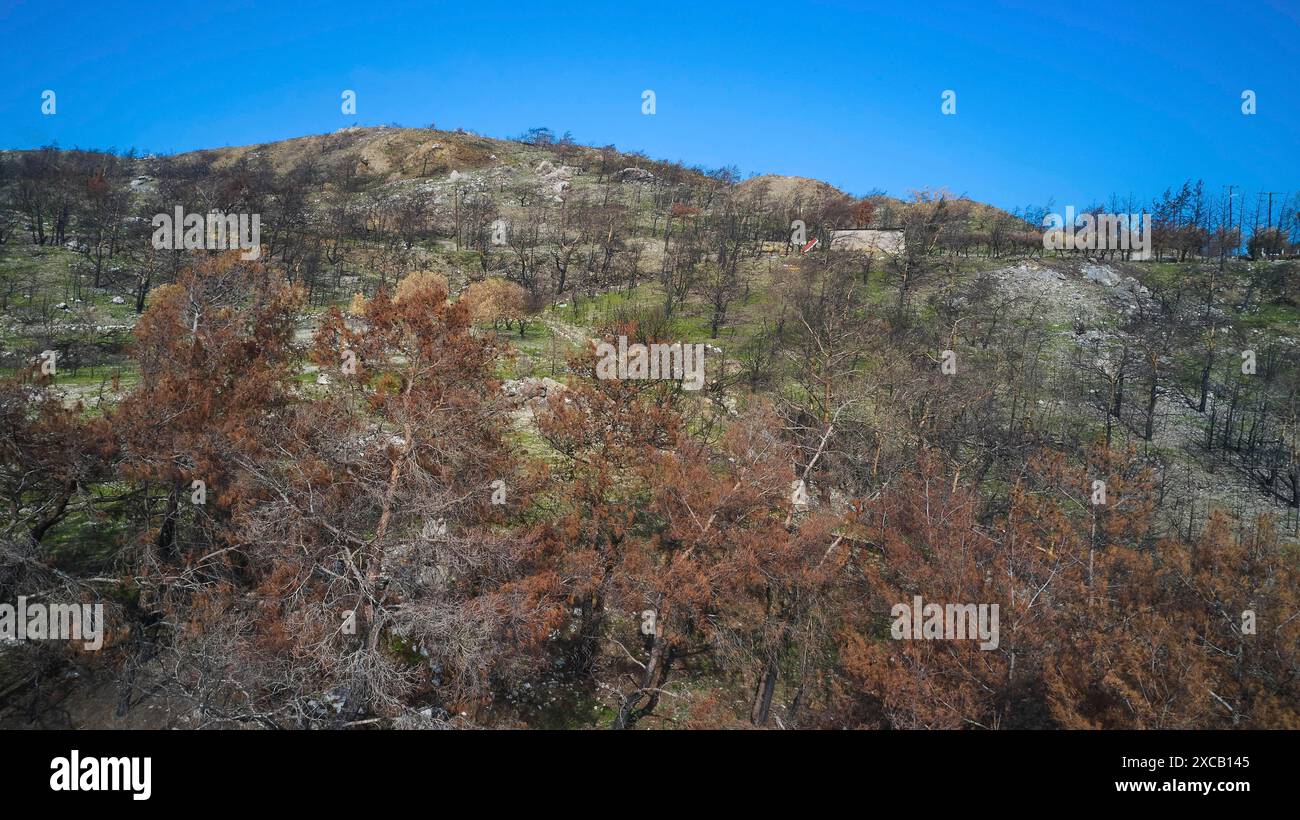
(1051, 102)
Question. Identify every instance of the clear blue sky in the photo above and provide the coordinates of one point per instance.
(1052, 102)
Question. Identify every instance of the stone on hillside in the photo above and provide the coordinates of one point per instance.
(1134, 286)
(634, 175)
(531, 390)
(1101, 274)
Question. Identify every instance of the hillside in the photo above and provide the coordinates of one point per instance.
(380, 475)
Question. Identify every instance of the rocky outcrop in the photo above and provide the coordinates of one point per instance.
(530, 390)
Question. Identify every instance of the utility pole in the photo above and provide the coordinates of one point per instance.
(1270, 194)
